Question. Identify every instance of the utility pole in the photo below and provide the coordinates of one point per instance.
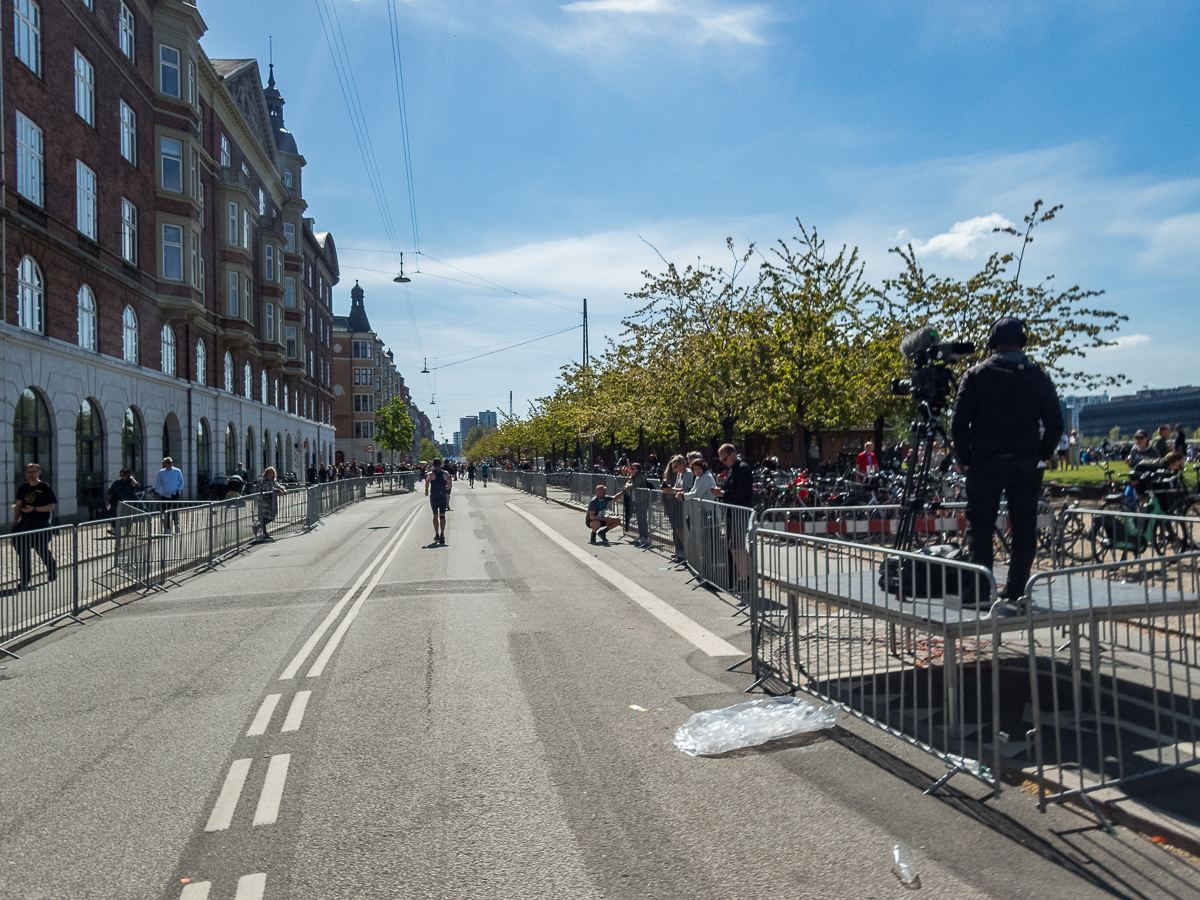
(585, 336)
(510, 404)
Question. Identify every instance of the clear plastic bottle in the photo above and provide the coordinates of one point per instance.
(904, 868)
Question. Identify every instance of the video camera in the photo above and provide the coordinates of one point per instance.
(931, 381)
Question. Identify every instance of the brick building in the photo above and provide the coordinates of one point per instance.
(365, 379)
(164, 292)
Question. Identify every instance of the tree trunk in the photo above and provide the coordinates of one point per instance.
(683, 436)
(878, 436)
(727, 426)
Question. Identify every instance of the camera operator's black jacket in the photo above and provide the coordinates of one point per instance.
(1005, 408)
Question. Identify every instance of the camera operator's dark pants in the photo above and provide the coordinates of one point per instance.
(1020, 480)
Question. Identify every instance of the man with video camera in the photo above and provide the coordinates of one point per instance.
(1006, 423)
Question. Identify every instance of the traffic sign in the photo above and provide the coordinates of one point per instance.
(370, 448)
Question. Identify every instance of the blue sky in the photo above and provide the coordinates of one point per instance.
(548, 139)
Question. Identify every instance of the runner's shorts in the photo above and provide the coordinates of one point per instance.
(439, 504)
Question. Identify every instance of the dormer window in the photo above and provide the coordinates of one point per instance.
(287, 177)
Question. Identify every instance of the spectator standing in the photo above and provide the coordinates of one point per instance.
(311, 474)
(1064, 450)
(1180, 440)
(1074, 450)
(738, 491)
(1142, 450)
(471, 474)
(123, 490)
(169, 487)
(635, 488)
(31, 517)
(1162, 445)
(677, 479)
(267, 505)
(867, 463)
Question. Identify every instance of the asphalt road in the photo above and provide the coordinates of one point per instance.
(461, 725)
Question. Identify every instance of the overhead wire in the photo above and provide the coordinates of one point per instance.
(513, 347)
(398, 69)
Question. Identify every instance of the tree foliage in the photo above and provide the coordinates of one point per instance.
(429, 450)
(394, 427)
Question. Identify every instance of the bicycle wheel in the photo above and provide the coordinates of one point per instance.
(1072, 542)
(1001, 549)
(1191, 532)
(1100, 539)
(1168, 538)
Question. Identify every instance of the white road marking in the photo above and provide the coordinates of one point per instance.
(296, 711)
(272, 793)
(344, 625)
(302, 655)
(227, 801)
(251, 887)
(197, 890)
(263, 719)
(686, 628)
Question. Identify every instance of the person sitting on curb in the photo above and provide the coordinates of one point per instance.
(597, 518)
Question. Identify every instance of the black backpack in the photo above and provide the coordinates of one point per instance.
(918, 580)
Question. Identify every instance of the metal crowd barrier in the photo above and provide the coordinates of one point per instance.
(1114, 672)
(529, 482)
(885, 636)
(56, 573)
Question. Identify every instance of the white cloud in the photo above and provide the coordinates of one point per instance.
(1125, 341)
(963, 240)
(697, 22)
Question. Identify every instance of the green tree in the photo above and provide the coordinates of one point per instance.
(472, 438)
(429, 450)
(394, 427)
(1114, 433)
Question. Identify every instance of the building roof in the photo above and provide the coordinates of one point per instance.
(358, 313)
(227, 67)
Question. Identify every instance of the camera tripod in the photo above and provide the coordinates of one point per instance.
(925, 429)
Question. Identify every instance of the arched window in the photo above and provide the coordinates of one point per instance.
(129, 335)
(32, 437)
(248, 382)
(168, 350)
(133, 445)
(201, 363)
(266, 449)
(87, 318)
(250, 452)
(89, 460)
(30, 295)
(278, 454)
(263, 396)
(231, 449)
(203, 457)
(229, 371)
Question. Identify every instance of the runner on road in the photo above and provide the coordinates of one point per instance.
(437, 489)
(483, 470)
(471, 474)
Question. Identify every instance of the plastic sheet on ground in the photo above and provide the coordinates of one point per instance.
(749, 724)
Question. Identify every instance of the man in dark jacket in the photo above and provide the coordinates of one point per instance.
(1007, 421)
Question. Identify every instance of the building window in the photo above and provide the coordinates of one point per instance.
(85, 200)
(133, 452)
(269, 262)
(287, 177)
(129, 335)
(85, 89)
(89, 459)
(248, 382)
(232, 236)
(172, 165)
(262, 203)
(128, 133)
(229, 371)
(126, 31)
(234, 294)
(172, 253)
(249, 310)
(245, 170)
(195, 260)
(289, 292)
(27, 34)
(168, 70)
(87, 318)
(30, 295)
(263, 386)
(289, 236)
(128, 232)
(270, 321)
(29, 160)
(226, 156)
(168, 350)
(194, 174)
(245, 229)
(191, 90)
(201, 363)
(290, 332)
(32, 435)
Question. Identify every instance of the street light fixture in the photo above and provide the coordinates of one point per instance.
(401, 278)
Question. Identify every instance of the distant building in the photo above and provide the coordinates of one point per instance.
(457, 443)
(1146, 409)
(487, 419)
(465, 424)
(1073, 404)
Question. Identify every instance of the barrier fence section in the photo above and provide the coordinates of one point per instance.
(883, 634)
(55, 573)
(1086, 536)
(1114, 672)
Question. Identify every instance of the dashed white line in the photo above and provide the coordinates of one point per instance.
(315, 637)
(197, 890)
(344, 625)
(272, 792)
(263, 719)
(296, 711)
(251, 887)
(685, 627)
(222, 813)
